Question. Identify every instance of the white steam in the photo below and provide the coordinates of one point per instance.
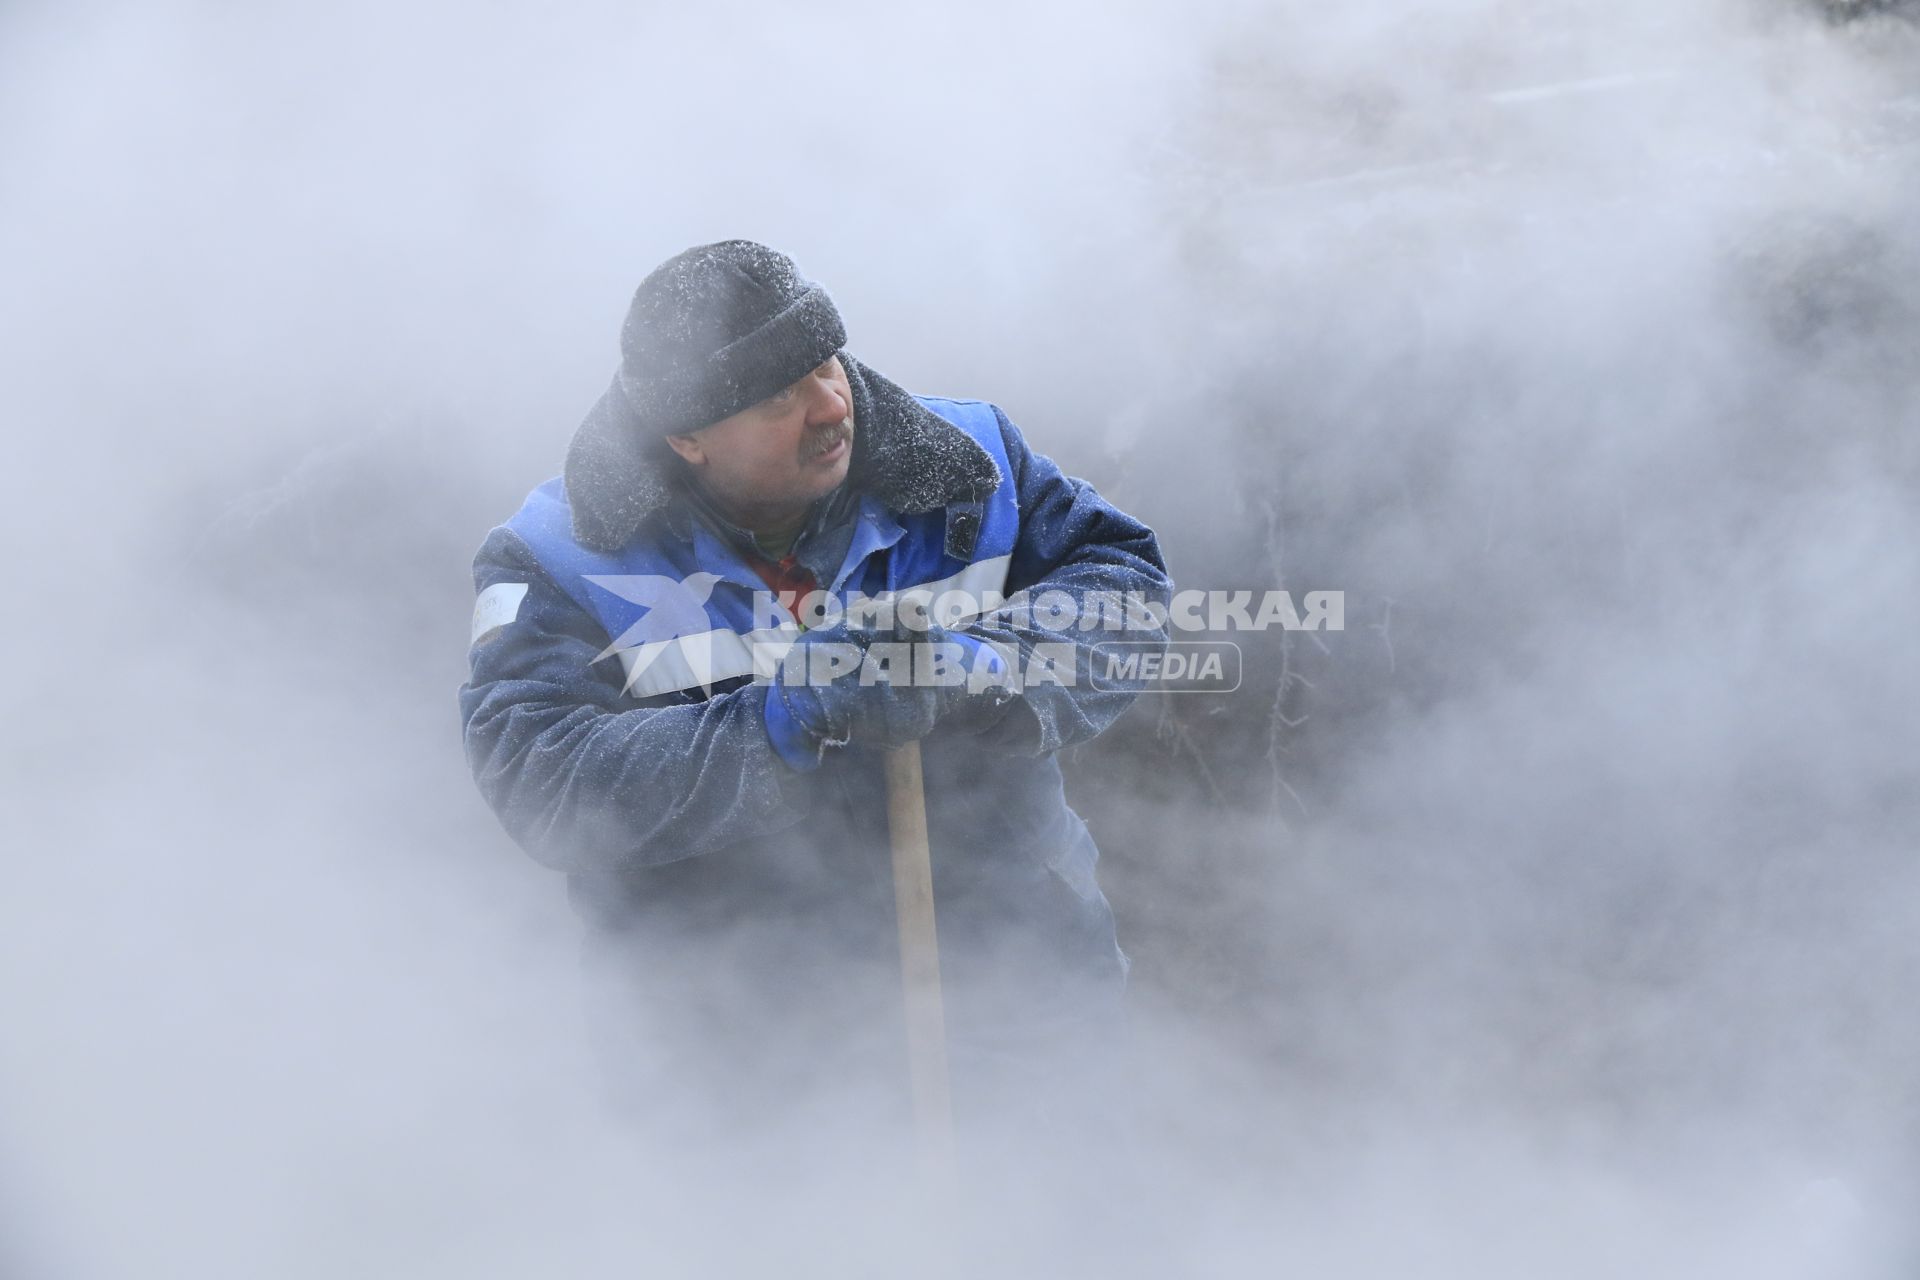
(1574, 928)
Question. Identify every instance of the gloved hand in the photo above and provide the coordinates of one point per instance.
(844, 685)
(991, 687)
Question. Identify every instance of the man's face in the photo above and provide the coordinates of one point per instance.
(772, 459)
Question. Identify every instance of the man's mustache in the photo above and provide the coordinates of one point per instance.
(825, 438)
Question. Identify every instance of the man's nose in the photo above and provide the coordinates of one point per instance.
(825, 404)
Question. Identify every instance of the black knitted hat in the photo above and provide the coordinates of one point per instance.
(718, 328)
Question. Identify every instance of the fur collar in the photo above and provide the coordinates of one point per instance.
(910, 458)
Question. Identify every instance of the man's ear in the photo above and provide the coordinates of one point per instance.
(688, 447)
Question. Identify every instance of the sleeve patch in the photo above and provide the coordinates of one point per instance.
(498, 605)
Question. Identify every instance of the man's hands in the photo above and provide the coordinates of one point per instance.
(859, 686)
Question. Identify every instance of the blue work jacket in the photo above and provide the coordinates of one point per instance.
(619, 732)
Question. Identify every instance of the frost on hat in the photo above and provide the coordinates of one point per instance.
(717, 328)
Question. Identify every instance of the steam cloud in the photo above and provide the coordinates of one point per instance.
(1557, 916)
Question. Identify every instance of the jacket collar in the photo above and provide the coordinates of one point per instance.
(618, 474)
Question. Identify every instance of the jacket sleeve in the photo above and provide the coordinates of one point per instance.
(582, 777)
(1074, 541)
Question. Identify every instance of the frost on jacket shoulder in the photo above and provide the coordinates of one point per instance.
(592, 776)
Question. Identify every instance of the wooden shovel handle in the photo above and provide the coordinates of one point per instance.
(919, 956)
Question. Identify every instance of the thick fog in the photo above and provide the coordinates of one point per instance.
(1559, 916)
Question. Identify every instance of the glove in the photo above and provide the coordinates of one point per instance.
(843, 685)
(990, 685)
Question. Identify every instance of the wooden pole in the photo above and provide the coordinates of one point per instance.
(920, 960)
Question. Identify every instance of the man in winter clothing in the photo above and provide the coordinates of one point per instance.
(719, 808)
